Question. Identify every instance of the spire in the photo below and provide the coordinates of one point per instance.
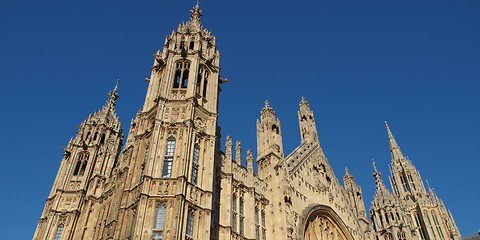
(113, 96)
(382, 195)
(394, 148)
(376, 174)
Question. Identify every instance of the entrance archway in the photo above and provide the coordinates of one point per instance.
(322, 223)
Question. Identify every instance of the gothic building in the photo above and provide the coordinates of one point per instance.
(171, 180)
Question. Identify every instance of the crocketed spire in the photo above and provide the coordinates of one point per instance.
(394, 148)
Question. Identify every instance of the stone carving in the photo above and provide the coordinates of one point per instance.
(321, 228)
(163, 188)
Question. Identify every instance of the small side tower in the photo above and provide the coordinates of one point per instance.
(308, 130)
(354, 192)
(88, 161)
(269, 141)
(269, 134)
(387, 214)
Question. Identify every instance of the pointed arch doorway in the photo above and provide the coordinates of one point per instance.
(320, 222)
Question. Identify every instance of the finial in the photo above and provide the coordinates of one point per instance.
(346, 169)
(116, 85)
(267, 104)
(386, 124)
(303, 101)
(374, 167)
(196, 13)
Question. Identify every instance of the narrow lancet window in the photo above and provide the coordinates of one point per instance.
(181, 74)
(58, 234)
(234, 213)
(81, 164)
(190, 216)
(159, 222)
(196, 154)
(168, 159)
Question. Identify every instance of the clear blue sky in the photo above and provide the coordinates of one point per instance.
(414, 64)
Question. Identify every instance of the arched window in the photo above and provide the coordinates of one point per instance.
(275, 128)
(58, 234)
(257, 224)
(77, 167)
(388, 236)
(234, 213)
(205, 84)
(81, 164)
(202, 81)
(181, 74)
(195, 164)
(190, 218)
(168, 159)
(102, 138)
(159, 222)
(142, 174)
(199, 80)
(241, 217)
(82, 170)
(437, 224)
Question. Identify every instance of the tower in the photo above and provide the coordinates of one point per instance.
(387, 213)
(421, 214)
(83, 173)
(355, 197)
(174, 138)
(269, 140)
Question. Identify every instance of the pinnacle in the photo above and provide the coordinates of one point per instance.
(267, 110)
(196, 13)
(113, 96)
(376, 174)
(116, 85)
(394, 148)
(303, 101)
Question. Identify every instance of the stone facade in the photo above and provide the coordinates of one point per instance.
(171, 180)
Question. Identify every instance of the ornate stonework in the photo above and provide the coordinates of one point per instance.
(171, 180)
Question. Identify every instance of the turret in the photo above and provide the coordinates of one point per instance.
(269, 134)
(308, 130)
(355, 196)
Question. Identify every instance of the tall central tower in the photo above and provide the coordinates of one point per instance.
(173, 139)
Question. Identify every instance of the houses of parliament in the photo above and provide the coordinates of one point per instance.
(172, 179)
